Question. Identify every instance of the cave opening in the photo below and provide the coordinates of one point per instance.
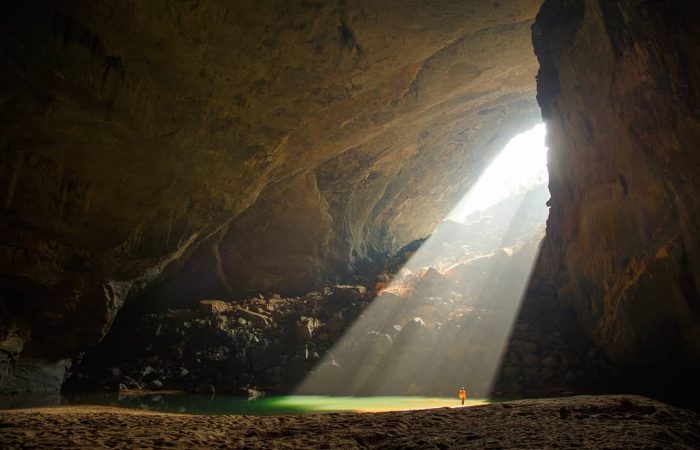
(210, 202)
(519, 167)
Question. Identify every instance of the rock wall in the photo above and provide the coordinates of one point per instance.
(618, 86)
(171, 151)
(291, 138)
(400, 172)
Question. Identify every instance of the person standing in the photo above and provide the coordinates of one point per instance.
(462, 394)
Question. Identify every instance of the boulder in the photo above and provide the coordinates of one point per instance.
(214, 307)
(432, 279)
(347, 292)
(306, 327)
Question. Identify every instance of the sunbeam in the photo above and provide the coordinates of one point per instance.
(444, 319)
(521, 164)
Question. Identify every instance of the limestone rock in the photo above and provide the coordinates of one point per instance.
(622, 244)
(177, 152)
(214, 306)
(347, 292)
(306, 327)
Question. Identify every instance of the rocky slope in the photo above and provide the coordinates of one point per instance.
(237, 145)
(622, 247)
(257, 344)
(424, 337)
(440, 322)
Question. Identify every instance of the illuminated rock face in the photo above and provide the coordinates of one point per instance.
(195, 151)
(622, 245)
(232, 146)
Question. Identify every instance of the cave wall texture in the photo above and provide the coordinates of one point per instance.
(194, 148)
(618, 86)
(174, 150)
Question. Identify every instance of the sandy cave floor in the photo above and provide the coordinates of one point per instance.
(621, 422)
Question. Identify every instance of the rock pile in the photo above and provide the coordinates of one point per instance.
(269, 343)
(423, 340)
(442, 321)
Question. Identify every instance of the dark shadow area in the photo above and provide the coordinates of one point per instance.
(263, 343)
(548, 354)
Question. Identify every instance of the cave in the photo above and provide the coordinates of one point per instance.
(204, 201)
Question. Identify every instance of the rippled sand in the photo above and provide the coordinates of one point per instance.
(587, 421)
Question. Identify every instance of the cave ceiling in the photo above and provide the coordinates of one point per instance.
(237, 145)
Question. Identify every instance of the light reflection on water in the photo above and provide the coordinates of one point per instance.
(222, 404)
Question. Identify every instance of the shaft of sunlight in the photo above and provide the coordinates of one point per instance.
(445, 317)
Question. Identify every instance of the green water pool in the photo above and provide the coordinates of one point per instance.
(222, 404)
